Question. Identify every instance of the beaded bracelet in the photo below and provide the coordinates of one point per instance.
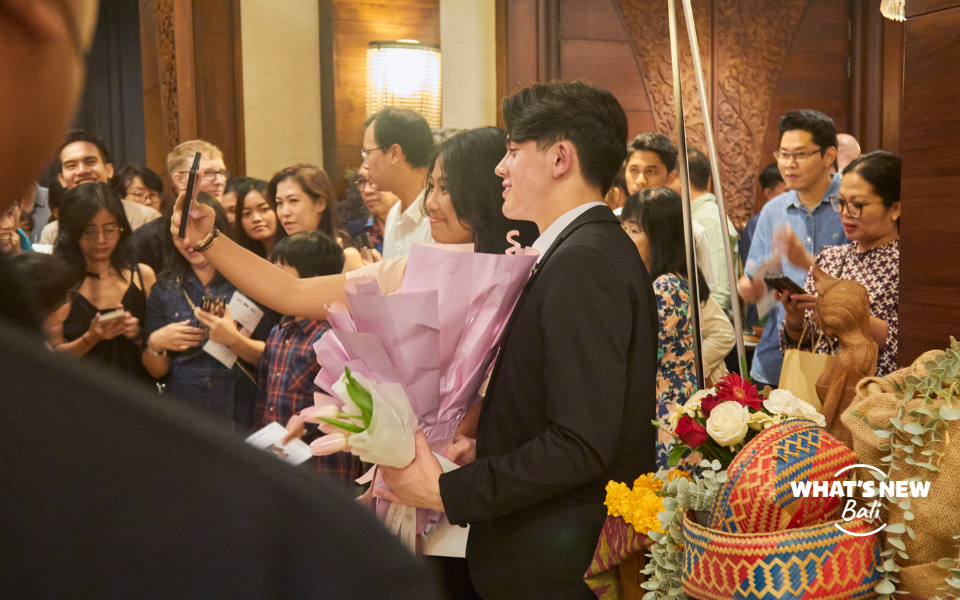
(206, 242)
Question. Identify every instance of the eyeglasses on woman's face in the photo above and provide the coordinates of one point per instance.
(110, 232)
(854, 209)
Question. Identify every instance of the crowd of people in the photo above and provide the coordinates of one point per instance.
(114, 284)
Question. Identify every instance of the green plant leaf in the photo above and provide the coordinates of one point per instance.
(676, 454)
(895, 541)
(896, 528)
(345, 426)
(914, 428)
(949, 414)
(945, 563)
(885, 587)
(360, 397)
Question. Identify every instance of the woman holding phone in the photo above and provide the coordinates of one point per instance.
(177, 327)
(109, 305)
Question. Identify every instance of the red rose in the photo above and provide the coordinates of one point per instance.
(709, 403)
(690, 432)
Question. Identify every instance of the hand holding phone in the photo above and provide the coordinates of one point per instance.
(189, 196)
(783, 283)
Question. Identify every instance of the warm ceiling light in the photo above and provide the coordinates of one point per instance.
(405, 75)
(893, 9)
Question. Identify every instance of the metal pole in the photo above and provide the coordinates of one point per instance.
(694, 313)
(715, 166)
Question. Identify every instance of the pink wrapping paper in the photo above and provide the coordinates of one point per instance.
(437, 337)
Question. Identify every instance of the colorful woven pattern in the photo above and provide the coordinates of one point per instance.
(758, 497)
(618, 540)
(814, 563)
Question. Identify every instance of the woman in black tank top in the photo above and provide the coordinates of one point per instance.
(109, 305)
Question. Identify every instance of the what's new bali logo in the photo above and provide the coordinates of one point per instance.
(862, 497)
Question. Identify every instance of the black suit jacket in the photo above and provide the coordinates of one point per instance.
(569, 408)
(112, 492)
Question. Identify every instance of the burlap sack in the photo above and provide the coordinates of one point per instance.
(937, 517)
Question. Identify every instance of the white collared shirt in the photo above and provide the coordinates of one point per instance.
(402, 230)
(548, 237)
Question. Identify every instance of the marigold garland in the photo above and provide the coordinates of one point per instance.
(638, 507)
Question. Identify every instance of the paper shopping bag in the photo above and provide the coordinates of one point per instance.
(800, 373)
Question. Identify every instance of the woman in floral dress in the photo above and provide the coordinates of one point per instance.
(654, 219)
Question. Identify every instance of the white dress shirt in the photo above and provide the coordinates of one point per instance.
(401, 230)
(548, 237)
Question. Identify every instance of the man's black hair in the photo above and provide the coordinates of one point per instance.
(311, 253)
(79, 135)
(590, 118)
(699, 169)
(770, 176)
(814, 122)
(46, 278)
(408, 129)
(660, 145)
(150, 179)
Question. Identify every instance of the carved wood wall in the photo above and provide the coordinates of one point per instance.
(760, 59)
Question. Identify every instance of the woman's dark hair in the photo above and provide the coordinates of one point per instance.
(311, 253)
(47, 279)
(176, 266)
(631, 208)
(150, 179)
(661, 217)
(476, 191)
(316, 184)
(881, 170)
(590, 118)
(80, 206)
(242, 186)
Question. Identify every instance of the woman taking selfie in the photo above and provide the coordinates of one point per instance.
(177, 327)
(464, 203)
(109, 306)
(259, 228)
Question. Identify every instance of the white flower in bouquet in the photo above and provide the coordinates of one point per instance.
(760, 420)
(807, 411)
(692, 407)
(728, 423)
(380, 419)
(674, 417)
(782, 402)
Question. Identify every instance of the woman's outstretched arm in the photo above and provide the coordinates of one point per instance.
(257, 278)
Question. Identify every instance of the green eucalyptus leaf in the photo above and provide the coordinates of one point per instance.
(905, 504)
(885, 587)
(945, 563)
(896, 528)
(882, 433)
(949, 414)
(908, 516)
(895, 541)
(917, 440)
(914, 428)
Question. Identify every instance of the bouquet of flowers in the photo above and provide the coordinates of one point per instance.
(719, 421)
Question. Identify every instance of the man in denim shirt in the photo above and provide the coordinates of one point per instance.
(808, 150)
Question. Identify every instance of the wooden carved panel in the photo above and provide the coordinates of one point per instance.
(649, 30)
(752, 40)
(167, 57)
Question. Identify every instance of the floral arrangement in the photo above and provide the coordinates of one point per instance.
(719, 421)
(638, 506)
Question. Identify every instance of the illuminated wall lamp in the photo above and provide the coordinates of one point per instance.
(404, 74)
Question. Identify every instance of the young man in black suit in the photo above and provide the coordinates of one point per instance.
(572, 394)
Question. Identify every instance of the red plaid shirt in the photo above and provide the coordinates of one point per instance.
(287, 370)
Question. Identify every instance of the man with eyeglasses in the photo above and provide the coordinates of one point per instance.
(807, 153)
(84, 158)
(110, 492)
(397, 145)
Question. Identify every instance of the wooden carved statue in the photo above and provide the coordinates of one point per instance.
(843, 308)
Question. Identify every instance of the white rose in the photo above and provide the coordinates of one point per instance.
(760, 420)
(693, 404)
(728, 423)
(781, 402)
(807, 411)
(674, 418)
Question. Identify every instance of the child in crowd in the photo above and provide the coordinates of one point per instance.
(49, 281)
(289, 364)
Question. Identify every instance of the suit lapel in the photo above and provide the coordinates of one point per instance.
(593, 215)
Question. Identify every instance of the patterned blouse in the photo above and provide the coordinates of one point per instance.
(676, 373)
(878, 270)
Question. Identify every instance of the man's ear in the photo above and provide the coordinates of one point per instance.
(673, 180)
(830, 155)
(178, 182)
(62, 180)
(109, 169)
(395, 154)
(563, 156)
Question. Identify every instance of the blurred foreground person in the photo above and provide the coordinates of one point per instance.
(109, 492)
